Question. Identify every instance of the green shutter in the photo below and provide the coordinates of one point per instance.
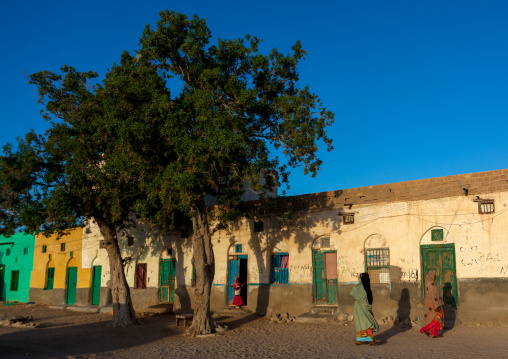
(14, 280)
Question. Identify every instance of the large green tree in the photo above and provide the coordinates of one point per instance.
(89, 165)
(238, 111)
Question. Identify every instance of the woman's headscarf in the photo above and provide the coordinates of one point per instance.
(365, 279)
(432, 300)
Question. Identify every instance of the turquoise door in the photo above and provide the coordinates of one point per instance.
(167, 281)
(72, 281)
(96, 285)
(232, 274)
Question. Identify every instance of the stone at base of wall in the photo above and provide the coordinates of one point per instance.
(58, 296)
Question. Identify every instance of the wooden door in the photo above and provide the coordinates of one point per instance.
(326, 289)
(167, 280)
(441, 258)
(319, 266)
(332, 289)
(72, 281)
(96, 285)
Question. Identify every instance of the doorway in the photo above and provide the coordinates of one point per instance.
(441, 258)
(325, 277)
(167, 280)
(96, 285)
(237, 267)
(72, 281)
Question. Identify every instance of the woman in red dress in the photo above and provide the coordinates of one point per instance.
(237, 287)
(433, 317)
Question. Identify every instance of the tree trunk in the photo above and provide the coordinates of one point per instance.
(123, 311)
(204, 262)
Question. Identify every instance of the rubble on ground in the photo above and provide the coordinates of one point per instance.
(281, 318)
(19, 322)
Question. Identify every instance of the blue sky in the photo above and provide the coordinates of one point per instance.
(419, 89)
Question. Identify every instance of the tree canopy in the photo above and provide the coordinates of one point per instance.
(127, 145)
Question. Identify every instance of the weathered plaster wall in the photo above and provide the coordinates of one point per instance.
(397, 216)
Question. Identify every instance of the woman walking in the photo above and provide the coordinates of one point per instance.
(433, 315)
(365, 323)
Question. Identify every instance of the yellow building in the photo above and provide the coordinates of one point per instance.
(58, 277)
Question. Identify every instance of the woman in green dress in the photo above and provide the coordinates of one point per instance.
(365, 323)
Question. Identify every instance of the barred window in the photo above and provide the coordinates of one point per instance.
(437, 234)
(377, 263)
(348, 218)
(486, 207)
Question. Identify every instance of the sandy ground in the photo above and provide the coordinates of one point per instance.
(67, 334)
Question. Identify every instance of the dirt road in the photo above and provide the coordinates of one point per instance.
(67, 334)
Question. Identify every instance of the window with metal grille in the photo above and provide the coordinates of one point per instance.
(325, 242)
(238, 248)
(258, 226)
(25, 250)
(280, 268)
(437, 234)
(44, 249)
(14, 280)
(50, 276)
(486, 207)
(348, 218)
(62, 247)
(377, 263)
(141, 275)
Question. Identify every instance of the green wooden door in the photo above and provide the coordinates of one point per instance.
(2, 275)
(72, 281)
(167, 281)
(319, 265)
(441, 258)
(96, 285)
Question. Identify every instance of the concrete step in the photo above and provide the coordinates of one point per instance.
(325, 309)
(232, 311)
(314, 318)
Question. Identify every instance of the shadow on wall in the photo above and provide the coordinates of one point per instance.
(403, 311)
(153, 248)
(305, 230)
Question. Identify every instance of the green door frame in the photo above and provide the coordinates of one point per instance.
(451, 266)
(96, 285)
(72, 281)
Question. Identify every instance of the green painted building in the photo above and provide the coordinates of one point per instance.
(16, 264)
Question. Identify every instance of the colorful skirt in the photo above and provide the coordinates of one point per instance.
(237, 300)
(432, 330)
(365, 335)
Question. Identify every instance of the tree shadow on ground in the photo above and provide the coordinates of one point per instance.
(238, 322)
(59, 341)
